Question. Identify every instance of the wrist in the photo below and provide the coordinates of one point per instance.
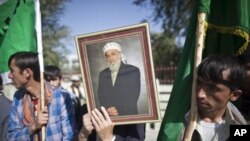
(33, 128)
(84, 133)
(110, 138)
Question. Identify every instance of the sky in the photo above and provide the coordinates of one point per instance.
(87, 16)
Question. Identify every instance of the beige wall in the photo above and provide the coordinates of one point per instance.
(9, 91)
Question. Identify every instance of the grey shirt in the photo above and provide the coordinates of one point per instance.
(5, 105)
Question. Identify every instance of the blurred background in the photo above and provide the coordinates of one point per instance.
(62, 20)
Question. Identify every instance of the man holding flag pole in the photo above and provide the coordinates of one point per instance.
(226, 26)
(26, 115)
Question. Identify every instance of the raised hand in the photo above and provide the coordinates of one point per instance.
(88, 126)
(103, 124)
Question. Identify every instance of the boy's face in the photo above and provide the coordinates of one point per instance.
(212, 98)
(55, 82)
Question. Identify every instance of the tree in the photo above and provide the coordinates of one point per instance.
(52, 31)
(165, 50)
(174, 14)
(166, 55)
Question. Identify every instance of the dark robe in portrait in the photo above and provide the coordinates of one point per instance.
(124, 94)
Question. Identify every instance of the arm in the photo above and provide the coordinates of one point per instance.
(100, 89)
(4, 116)
(87, 127)
(103, 124)
(98, 121)
(4, 127)
(16, 129)
(61, 117)
(135, 84)
(67, 117)
(130, 86)
(104, 87)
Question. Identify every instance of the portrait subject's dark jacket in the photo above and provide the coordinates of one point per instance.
(125, 92)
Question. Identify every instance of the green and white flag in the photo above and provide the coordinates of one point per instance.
(17, 31)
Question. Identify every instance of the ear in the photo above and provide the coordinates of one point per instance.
(235, 94)
(27, 73)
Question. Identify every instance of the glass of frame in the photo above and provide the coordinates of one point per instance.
(133, 93)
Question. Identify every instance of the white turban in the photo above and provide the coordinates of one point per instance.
(111, 45)
(114, 45)
(75, 78)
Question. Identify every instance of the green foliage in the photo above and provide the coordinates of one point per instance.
(165, 50)
(173, 14)
(52, 31)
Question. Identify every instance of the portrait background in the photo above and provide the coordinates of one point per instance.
(132, 50)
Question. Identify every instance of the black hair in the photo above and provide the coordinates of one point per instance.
(26, 60)
(245, 56)
(212, 67)
(51, 72)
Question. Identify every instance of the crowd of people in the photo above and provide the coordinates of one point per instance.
(221, 80)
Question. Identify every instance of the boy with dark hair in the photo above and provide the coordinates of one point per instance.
(53, 75)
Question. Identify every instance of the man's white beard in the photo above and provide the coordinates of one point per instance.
(114, 66)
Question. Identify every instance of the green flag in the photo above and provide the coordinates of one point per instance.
(227, 31)
(17, 30)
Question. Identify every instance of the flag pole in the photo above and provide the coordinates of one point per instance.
(200, 34)
(40, 57)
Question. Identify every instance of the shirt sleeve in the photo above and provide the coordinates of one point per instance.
(16, 129)
(61, 117)
(67, 117)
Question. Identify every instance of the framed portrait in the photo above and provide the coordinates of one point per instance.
(118, 73)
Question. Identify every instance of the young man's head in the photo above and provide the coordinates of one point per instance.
(53, 75)
(24, 66)
(218, 80)
(112, 53)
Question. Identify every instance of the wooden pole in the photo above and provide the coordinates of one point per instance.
(200, 32)
(40, 56)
